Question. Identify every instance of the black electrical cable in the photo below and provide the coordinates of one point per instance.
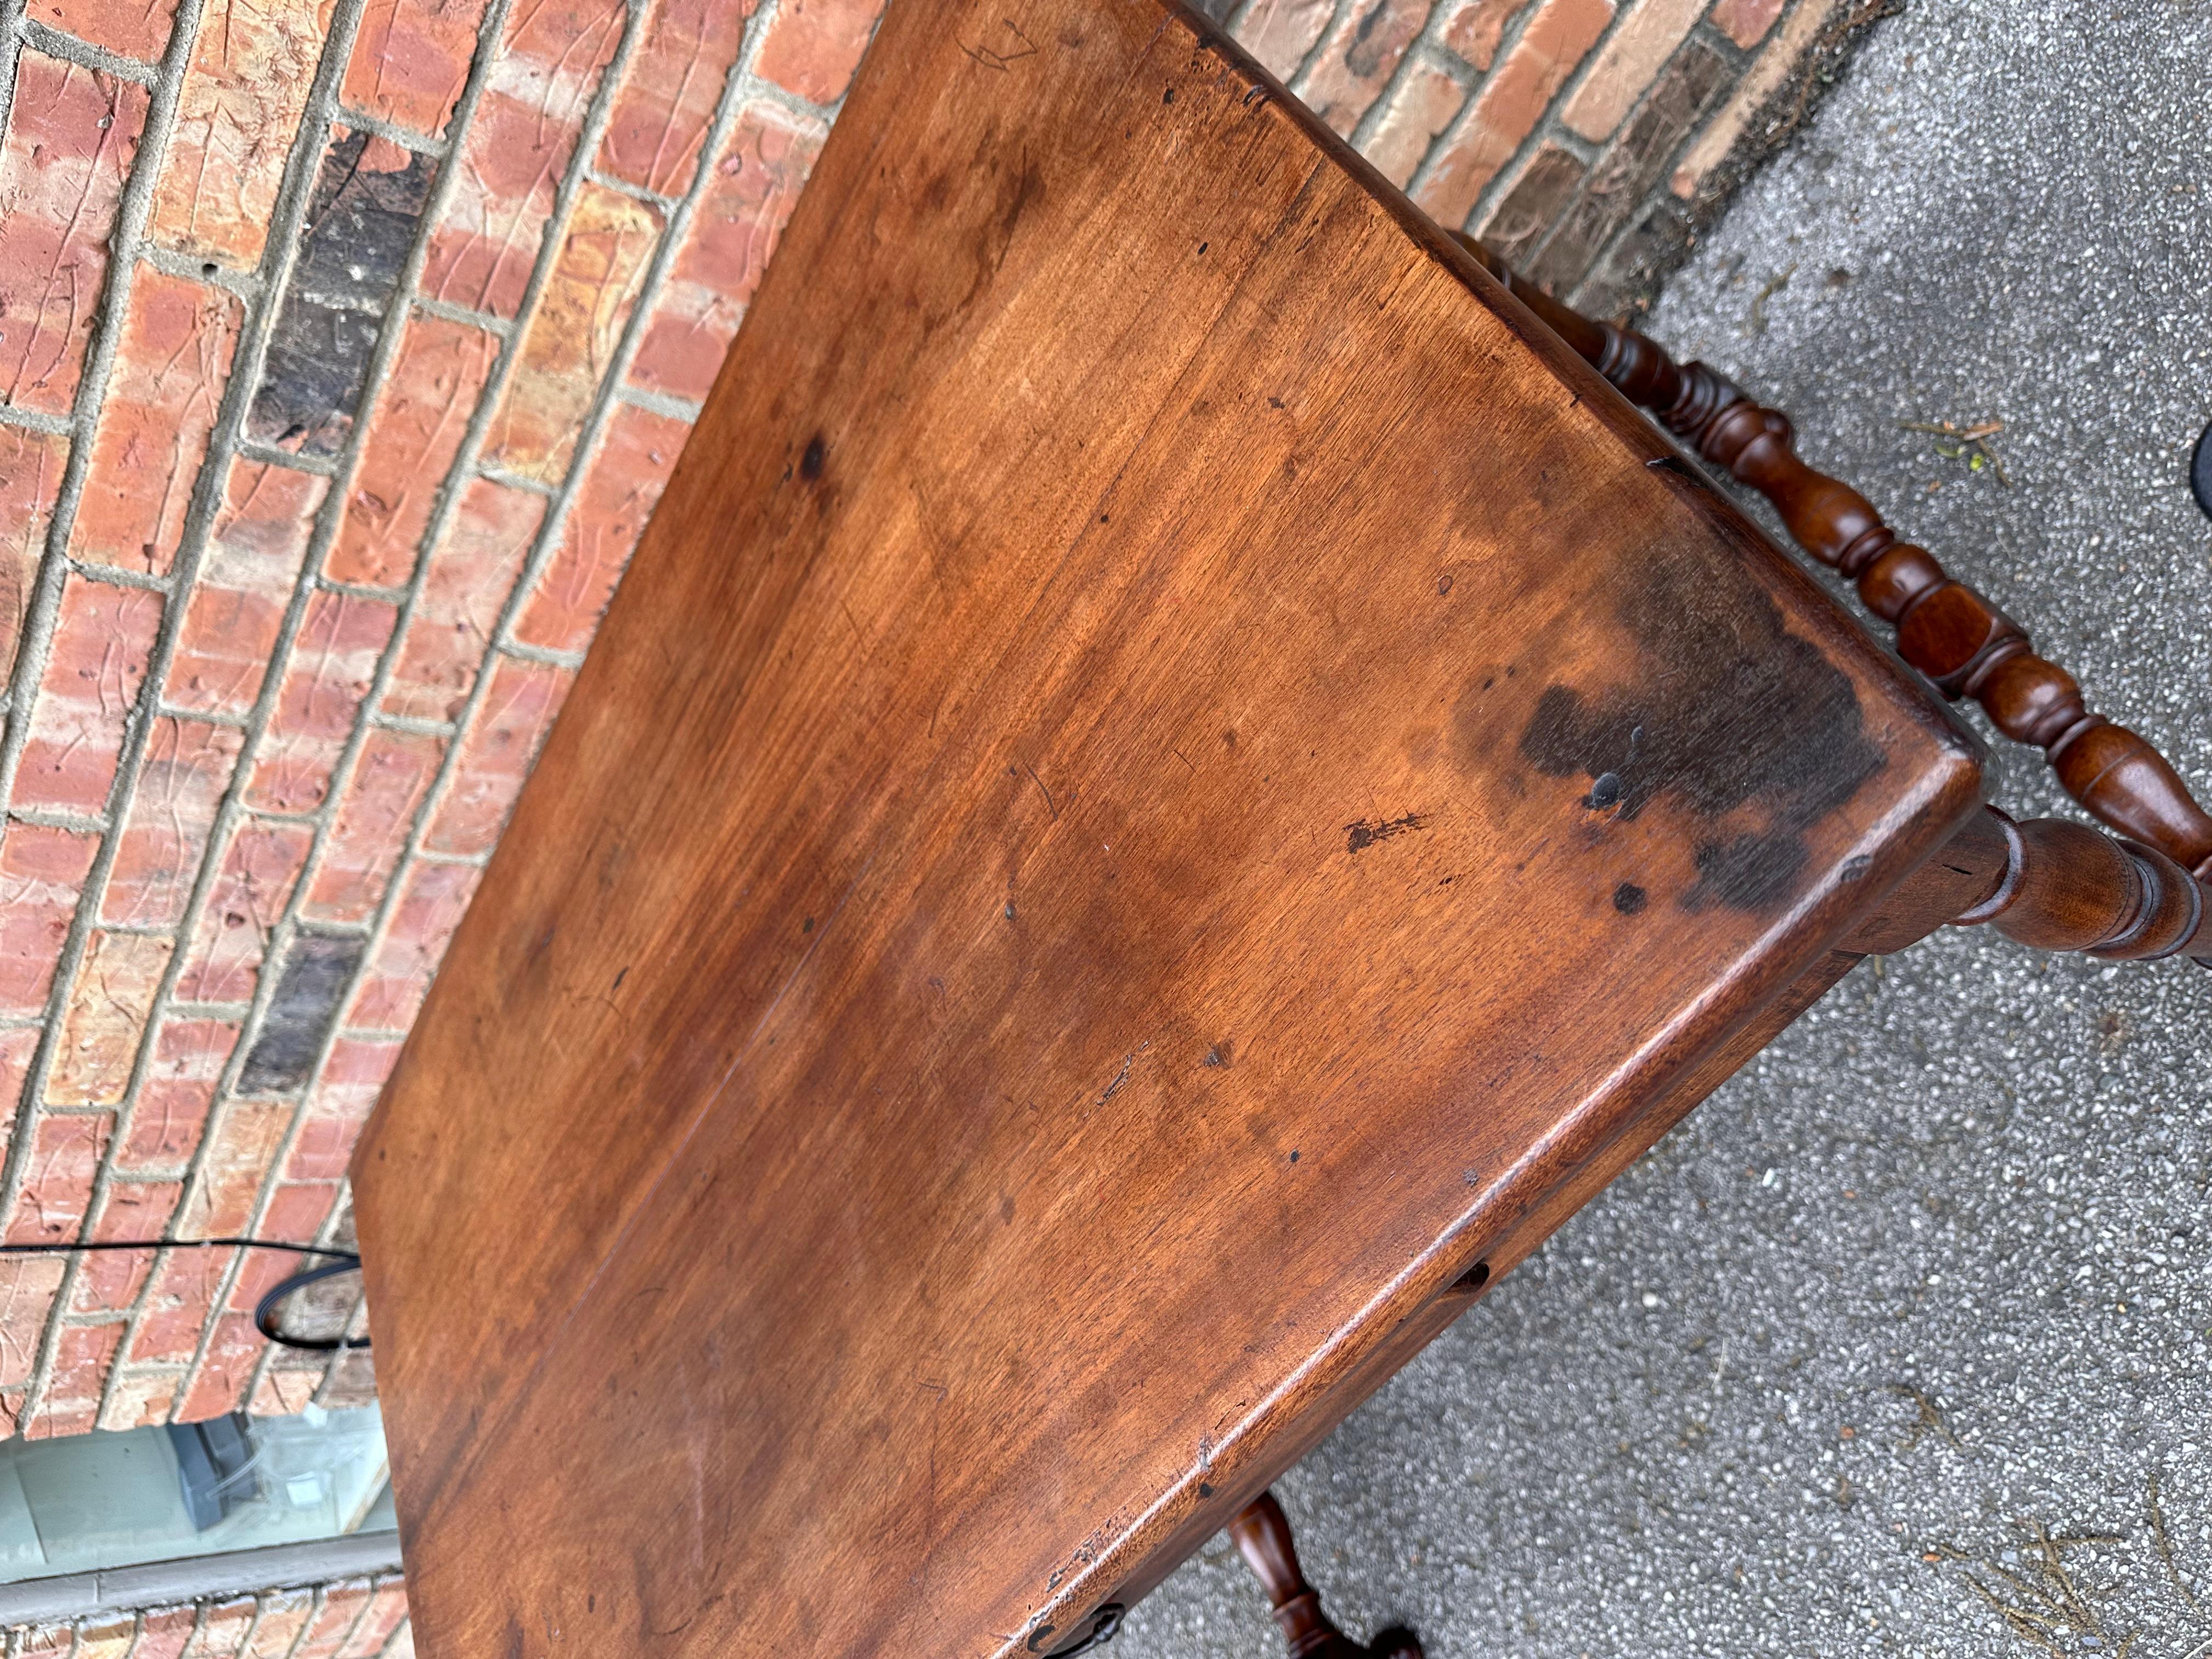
(264, 1312)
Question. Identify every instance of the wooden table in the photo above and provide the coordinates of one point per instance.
(1174, 785)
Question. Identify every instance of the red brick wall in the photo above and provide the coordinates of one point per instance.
(352, 1619)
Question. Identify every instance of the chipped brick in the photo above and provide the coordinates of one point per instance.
(138, 1400)
(333, 660)
(252, 887)
(813, 46)
(1475, 30)
(102, 642)
(470, 572)
(42, 873)
(109, 1008)
(57, 1174)
(733, 230)
(390, 781)
(627, 474)
(658, 124)
(1359, 58)
(109, 1281)
(1630, 63)
(317, 973)
(1520, 221)
(496, 755)
(70, 141)
(31, 465)
(1421, 108)
(255, 551)
(410, 59)
(155, 421)
(28, 1285)
(1280, 32)
(432, 902)
(181, 780)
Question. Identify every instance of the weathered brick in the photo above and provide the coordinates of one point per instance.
(333, 660)
(108, 1281)
(733, 230)
(432, 902)
(296, 1210)
(70, 142)
(657, 126)
(107, 1015)
(283, 1391)
(587, 301)
(42, 873)
(423, 413)
(1280, 32)
(1511, 101)
(64, 1156)
(28, 1285)
(472, 570)
(1475, 30)
(219, 1382)
(254, 62)
(341, 1607)
(130, 28)
(1746, 21)
(622, 486)
(541, 80)
(255, 551)
(83, 1355)
(402, 1645)
(177, 1305)
(387, 1610)
(187, 767)
(1780, 55)
(318, 971)
(496, 755)
(19, 1047)
(106, 1636)
(46, 1641)
(1630, 63)
(252, 886)
(102, 642)
(1520, 221)
(173, 1103)
(222, 1630)
(284, 1616)
(410, 58)
(1360, 57)
(351, 1381)
(155, 421)
(164, 1631)
(1421, 108)
(344, 1097)
(391, 778)
(31, 465)
(813, 46)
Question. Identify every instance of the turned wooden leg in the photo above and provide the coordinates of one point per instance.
(1263, 1538)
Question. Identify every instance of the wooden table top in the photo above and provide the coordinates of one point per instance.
(1173, 783)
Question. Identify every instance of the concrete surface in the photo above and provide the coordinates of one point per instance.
(1688, 1425)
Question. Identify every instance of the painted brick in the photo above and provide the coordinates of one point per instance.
(422, 415)
(734, 229)
(1360, 57)
(326, 1632)
(163, 1633)
(252, 65)
(318, 971)
(501, 744)
(1280, 32)
(284, 1616)
(1630, 63)
(255, 551)
(470, 571)
(1511, 101)
(391, 779)
(64, 1158)
(587, 301)
(108, 1008)
(28, 1285)
(102, 642)
(173, 1102)
(432, 902)
(526, 125)
(1475, 30)
(259, 869)
(181, 781)
(1528, 211)
(83, 1355)
(622, 486)
(813, 46)
(1746, 21)
(1776, 59)
(153, 424)
(139, 1399)
(177, 1305)
(410, 58)
(1422, 107)
(387, 1610)
(333, 660)
(222, 1630)
(71, 140)
(657, 126)
(344, 1097)
(109, 1281)
(42, 872)
(31, 465)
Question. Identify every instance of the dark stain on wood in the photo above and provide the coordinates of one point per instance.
(1363, 834)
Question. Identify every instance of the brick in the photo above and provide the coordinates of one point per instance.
(241, 1149)
(1358, 59)
(160, 406)
(423, 413)
(813, 46)
(734, 229)
(42, 872)
(496, 755)
(1280, 32)
(284, 1616)
(28, 1285)
(333, 660)
(1475, 30)
(18, 1048)
(620, 490)
(108, 1008)
(222, 1630)
(1520, 221)
(46, 1641)
(388, 1611)
(351, 1381)
(526, 126)
(102, 641)
(284, 1393)
(163, 1633)
(1632, 60)
(1746, 21)
(179, 1091)
(1776, 59)
(139, 1399)
(64, 1158)
(176, 1307)
(1511, 101)
(470, 571)
(82, 1356)
(181, 781)
(252, 64)
(344, 1095)
(1422, 107)
(296, 1210)
(656, 125)
(259, 869)
(31, 465)
(69, 145)
(410, 59)
(341, 1609)
(108, 1281)
(219, 1383)
(256, 550)
(106, 1636)
(571, 343)
(318, 969)
(391, 779)
(402, 1645)
(432, 902)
